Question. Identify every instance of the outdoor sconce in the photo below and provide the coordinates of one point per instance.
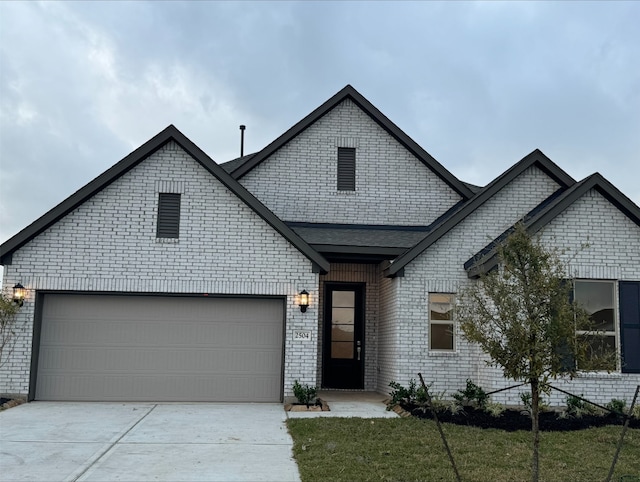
(304, 301)
(19, 293)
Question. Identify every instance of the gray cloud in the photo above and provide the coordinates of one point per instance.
(478, 85)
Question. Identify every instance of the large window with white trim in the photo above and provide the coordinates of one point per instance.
(441, 321)
(598, 299)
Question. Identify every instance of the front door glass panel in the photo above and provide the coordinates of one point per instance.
(342, 320)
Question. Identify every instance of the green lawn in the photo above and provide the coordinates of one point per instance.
(406, 449)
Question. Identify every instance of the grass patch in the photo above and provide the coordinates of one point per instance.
(406, 449)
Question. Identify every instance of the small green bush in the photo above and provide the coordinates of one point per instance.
(413, 395)
(494, 409)
(305, 394)
(440, 404)
(543, 405)
(575, 406)
(578, 408)
(473, 395)
(617, 406)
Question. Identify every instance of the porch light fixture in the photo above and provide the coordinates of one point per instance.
(304, 301)
(19, 293)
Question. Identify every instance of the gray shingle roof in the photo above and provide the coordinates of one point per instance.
(365, 236)
(233, 164)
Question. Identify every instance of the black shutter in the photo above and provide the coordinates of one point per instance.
(346, 169)
(564, 350)
(630, 325)
(168, 216)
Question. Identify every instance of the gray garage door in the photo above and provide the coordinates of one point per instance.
(149, 348)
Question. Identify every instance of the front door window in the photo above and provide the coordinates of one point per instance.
(343, 359)
(343, 315)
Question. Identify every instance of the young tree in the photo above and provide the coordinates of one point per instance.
(8, 327)
(522, 315)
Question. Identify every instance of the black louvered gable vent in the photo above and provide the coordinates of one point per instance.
(168, 216)
(346, 169)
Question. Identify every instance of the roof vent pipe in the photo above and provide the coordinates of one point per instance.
(242, 128)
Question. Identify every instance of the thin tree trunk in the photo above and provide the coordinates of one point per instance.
(535, 429)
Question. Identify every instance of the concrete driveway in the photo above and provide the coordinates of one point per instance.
(69, 441)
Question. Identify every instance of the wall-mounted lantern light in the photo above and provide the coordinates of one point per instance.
(304, 301)
(19, 294)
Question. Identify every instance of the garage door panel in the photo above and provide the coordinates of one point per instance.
(160, 349)
(135, 333)
(155, 387)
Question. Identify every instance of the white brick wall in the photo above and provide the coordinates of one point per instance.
(298, 182)
(109, 244)
(613, 253)
(440, 269)
(389, 342)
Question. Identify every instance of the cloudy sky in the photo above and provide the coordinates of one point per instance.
(478, 85)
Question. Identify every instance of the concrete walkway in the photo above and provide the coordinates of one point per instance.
(350, 404)
(69, 441)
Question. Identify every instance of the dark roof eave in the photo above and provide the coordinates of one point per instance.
(133, 159)
(536, 157)
(482, 264)
(391, 252)
(81, 195)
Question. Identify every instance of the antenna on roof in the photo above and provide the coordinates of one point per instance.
(242, 128)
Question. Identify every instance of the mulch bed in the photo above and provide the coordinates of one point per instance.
(6, 403)
(319, 406)
(511, 420)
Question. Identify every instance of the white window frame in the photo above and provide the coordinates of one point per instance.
(616, 316)
(451, 322)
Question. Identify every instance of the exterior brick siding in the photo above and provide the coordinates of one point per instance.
(440, 269)
(612, 253)
(109, 244)
(298, 182)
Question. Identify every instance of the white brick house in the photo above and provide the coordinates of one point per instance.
(170, 277)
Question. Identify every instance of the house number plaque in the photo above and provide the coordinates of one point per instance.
(302, 335)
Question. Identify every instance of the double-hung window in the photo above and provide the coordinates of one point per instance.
(441, 321)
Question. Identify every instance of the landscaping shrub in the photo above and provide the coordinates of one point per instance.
(305, 394)
(617, 406)
(413, 395)
(472, 395)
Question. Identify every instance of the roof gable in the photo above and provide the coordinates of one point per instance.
(535, 158)
(548, 210)
(171, 133)
(348, 92)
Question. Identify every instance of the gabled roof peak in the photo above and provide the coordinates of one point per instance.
(536, 157)
(548, 210)
(170, 133)
(349, 92)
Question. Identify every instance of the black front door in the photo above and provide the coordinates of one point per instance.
(344, 350)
